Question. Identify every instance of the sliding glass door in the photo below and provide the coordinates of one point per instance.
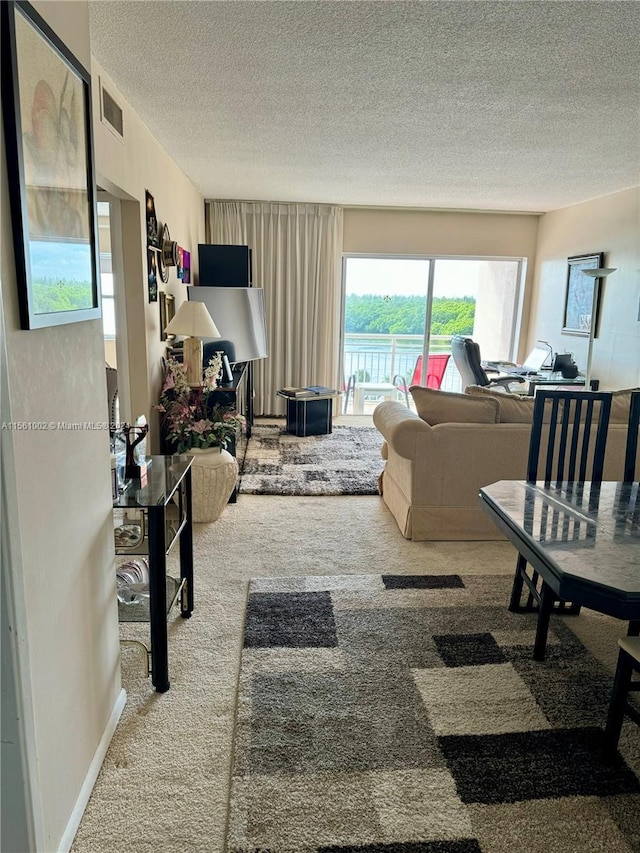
(398, 311)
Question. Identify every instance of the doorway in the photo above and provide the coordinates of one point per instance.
(399, 309)
(113, 298)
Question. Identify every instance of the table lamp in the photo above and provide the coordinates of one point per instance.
(599, 272)
(193, 320)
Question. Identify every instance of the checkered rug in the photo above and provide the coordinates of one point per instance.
(345, 462)
(398, 714)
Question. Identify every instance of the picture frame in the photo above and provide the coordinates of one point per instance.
(46, 105)
(186, 267)
(167, 312)
(152, 275)
(579, 293)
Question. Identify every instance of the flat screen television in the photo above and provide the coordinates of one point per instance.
(238, 313)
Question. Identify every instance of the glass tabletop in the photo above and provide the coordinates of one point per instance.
(555, 379)
(588, 530)
(156, 488)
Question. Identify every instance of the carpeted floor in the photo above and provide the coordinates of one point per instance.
(405, 714)
(345, 462)
(164, 784)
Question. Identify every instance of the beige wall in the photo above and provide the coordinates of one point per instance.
(62, 538)
(610, 224)
(438, 232)
(126, 169)
(63, 500)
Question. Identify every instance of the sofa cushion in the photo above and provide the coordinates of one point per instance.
(513, 408)
(518, 409)
(620, 405)
(443, 407)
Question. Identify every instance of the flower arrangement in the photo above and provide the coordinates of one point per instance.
(192, 418)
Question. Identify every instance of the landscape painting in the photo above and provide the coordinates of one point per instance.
(50, 173)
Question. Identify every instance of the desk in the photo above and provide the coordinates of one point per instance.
(583, 540)
(165, 500)
(557, 381)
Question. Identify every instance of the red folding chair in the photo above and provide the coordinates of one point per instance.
(436, 366)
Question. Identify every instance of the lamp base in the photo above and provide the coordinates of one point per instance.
(193, 359)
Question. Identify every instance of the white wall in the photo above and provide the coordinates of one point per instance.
(610, 224)
(65, 614)
(61, 499)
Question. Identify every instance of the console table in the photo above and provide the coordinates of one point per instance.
(163, 496)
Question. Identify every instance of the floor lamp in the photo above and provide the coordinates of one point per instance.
(599, 272)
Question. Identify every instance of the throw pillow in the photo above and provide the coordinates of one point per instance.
(516, 408)
(513, 408)
(443, 407)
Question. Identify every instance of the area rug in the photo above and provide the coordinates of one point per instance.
(345, 462)
(405, 714)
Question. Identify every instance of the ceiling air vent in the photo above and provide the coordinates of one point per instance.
(110, 113)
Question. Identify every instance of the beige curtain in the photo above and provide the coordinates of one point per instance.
(296, 254)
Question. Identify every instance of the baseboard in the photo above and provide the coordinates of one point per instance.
(92, 774)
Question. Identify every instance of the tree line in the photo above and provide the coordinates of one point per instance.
(51, 295)
(404, 315)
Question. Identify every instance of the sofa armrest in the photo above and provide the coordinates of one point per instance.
(401, 427)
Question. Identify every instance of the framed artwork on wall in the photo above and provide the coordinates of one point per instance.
(46, 104)
(578, 300)
(152, 284)
(186, 267)
(153, 228)
(167, 312)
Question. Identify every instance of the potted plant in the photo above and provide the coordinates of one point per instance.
(195, 424)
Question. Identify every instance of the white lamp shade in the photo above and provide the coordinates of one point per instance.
(601, 272)
(193, 319)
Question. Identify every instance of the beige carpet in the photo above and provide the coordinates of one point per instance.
(165, 781)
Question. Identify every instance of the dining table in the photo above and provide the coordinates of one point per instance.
(581, 538)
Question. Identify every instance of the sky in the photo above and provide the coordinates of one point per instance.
(408, 277)
(65, 260)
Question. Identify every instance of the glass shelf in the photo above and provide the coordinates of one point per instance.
(140, 612)
(174, 522)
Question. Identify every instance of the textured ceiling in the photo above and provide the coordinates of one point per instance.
(524, 106)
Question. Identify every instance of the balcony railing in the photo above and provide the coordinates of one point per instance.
(378, 358)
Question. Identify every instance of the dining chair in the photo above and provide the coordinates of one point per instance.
(623, 684)
(348, 387)
(632, 438)
(567, 445)
(436, 367)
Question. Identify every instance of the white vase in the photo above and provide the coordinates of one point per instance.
(214, 474)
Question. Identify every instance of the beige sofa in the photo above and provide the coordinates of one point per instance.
(436, 461)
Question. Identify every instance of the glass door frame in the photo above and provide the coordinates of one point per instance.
(518, 302)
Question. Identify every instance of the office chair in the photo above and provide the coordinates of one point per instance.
(567, 445)
(466, 355)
